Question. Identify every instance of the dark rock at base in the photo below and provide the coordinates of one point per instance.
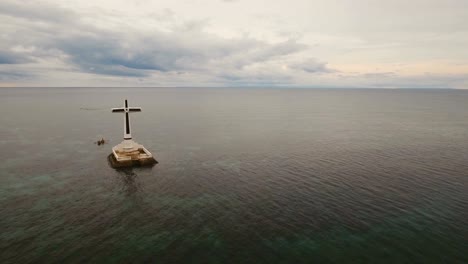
(131, 163)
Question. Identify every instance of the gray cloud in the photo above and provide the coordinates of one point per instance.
(7, 57)
(36, 12)
(166, 52)
(92, 49)
(8, 76)
(311, 66)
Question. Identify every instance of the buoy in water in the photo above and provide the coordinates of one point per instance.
(101, 142)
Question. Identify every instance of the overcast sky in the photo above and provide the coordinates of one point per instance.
(291, 43)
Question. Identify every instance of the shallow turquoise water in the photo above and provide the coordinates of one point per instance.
(245, 176)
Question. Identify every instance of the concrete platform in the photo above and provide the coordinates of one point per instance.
(129, 153)
(133, 163)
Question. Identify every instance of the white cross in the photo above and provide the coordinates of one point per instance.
(126, 110)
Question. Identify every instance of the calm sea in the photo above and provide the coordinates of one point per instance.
(244, 176)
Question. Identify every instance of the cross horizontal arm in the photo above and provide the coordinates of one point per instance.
(129, 109)
(134, 109)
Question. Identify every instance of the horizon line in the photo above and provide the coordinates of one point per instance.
(245, 87)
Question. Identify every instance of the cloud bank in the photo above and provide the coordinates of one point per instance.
(46, 44)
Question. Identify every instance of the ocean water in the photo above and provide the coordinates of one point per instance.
(244, 176)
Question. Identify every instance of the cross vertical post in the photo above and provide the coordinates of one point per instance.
(126, 110)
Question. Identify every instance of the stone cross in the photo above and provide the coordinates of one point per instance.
(126, 110)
